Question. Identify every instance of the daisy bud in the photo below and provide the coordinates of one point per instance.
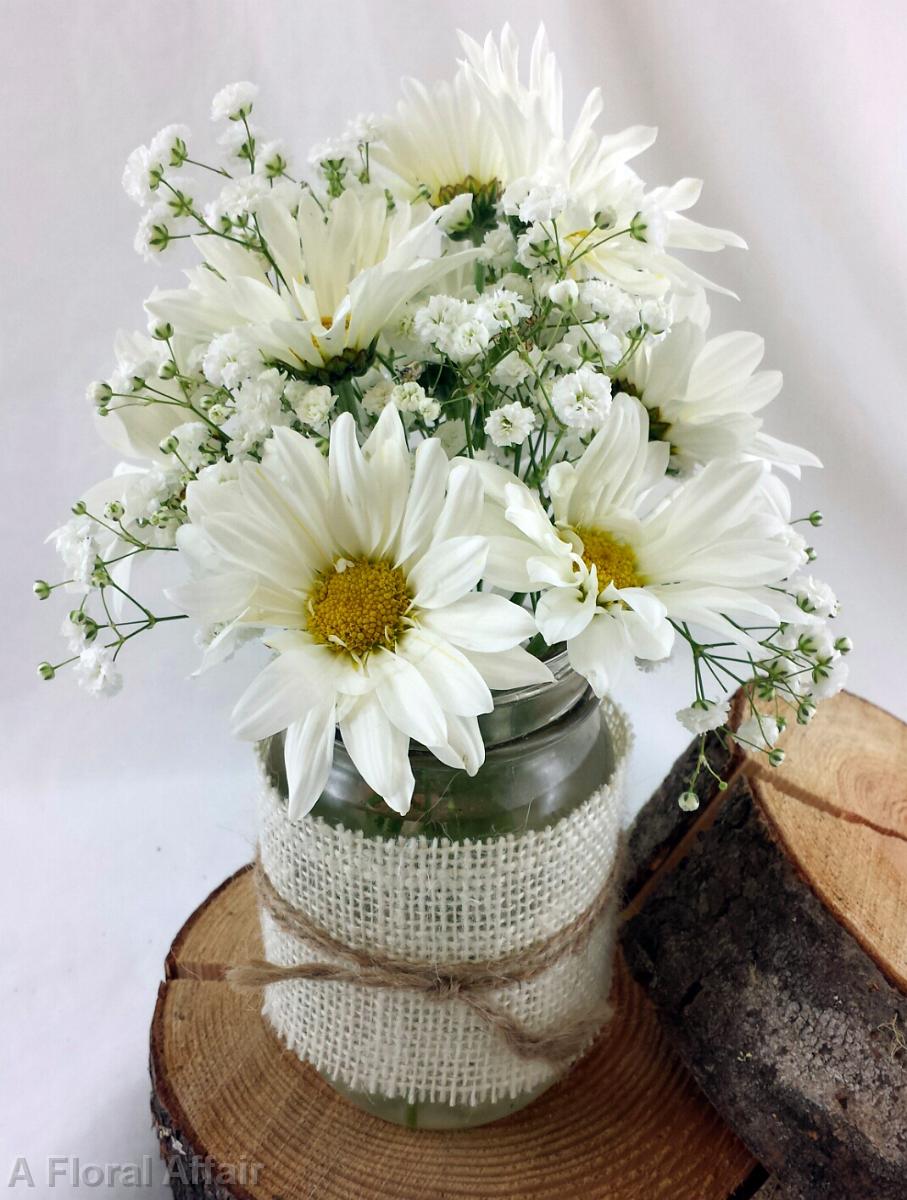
(843, 645)
(161, 331)
(167, 369)
(114, 510)
(46, 671)
(41, 589)
(169, 445)
(605, 218)
(79, 508)
(688, 801)
(99, 577)
(815, 518)
(776, 757)
(810, 553)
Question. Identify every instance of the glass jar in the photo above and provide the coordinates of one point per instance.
(547, 748)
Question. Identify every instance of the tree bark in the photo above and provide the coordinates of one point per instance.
(772, 939)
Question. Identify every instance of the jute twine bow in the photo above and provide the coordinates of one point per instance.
(465, 982)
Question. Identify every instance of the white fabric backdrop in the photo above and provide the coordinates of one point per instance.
(120, 816)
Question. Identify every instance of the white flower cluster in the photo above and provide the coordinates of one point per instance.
(470, 279)
(463, 330)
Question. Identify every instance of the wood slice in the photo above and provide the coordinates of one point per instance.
(627, 1123)
(772, 938)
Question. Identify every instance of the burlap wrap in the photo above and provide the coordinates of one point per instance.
(433, 900)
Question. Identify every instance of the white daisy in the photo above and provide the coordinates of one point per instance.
(438, 146)
(702, 396)
(344, 277)
(365, 564)
(605, 194)
(615, 572)
(480, 132)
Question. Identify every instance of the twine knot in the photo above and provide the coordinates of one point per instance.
(465, 982)
(445, 986)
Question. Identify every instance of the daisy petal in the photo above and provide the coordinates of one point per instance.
(510, 668)
(601, 652)
(464, 747)
(407, 699)
(462, 509)
(380, 752)
(506, 565)
(448, 571)
(388, 472)
(282, 693)
(481, 622)
(308, 754)
(426, 498)
(563, 613)
(349, 496)
(215, 597)
(452, 676)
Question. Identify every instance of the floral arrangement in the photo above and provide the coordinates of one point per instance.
(442, 401)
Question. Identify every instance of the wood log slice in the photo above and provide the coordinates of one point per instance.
(772, 938)
(239, 1116)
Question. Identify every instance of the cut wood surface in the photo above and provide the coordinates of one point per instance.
(627, 1123)
(772, 937)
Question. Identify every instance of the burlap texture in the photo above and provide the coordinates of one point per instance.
(440, 901)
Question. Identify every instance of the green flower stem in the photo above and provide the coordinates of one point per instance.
(588, 250)
(122, 639)
(250, 142)
(152, 619)
(207, 167)
(64, 663)
(110, 621)
(123, 536)
(187, 404)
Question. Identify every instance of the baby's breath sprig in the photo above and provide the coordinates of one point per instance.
(796, 667)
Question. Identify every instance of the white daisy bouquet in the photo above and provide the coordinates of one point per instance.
(432, 405)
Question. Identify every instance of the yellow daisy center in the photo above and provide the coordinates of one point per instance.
(359, 606)
(483, 193)
(614, 561)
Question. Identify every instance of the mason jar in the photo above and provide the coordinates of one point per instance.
(549, 747)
